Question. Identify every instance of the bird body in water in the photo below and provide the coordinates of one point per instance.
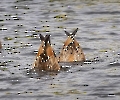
(71, 50)
(46, 59)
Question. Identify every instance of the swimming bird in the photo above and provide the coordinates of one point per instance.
(46, 59)
(71, 50)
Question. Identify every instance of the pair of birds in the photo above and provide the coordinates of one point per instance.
(47, 60)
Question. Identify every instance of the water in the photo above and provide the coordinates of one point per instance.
(21, 22)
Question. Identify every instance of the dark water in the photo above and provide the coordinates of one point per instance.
(21, 22)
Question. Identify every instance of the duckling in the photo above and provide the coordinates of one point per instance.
(71, 50)
(46, 59)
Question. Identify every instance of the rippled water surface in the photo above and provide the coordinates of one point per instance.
(21, 22)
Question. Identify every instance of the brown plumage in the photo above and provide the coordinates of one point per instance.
(46, 58)
(71, 50)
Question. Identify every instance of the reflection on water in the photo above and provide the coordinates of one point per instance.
(21, 22)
